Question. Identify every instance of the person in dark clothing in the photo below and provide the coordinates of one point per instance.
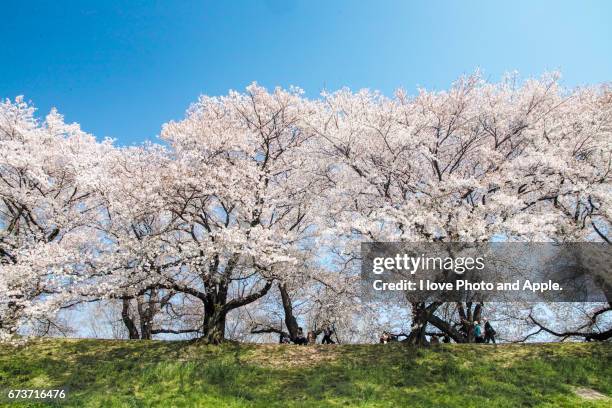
(489, 332)
(464, 327)
(283, 339)
(327, 332)
(446, 339)
(301, 339)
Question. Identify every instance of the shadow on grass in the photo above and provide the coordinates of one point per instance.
(139, 373)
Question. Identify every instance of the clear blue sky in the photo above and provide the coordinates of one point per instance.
(121, 70)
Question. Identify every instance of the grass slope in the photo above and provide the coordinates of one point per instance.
(104, 373)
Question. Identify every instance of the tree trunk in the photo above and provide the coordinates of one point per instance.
(147, 309)
(420, 318)
(467, 319)
(146, 321)
(290, 320)
(8, 322)
(215, 313)
(214, 324)
(128, 321)
(216, 308)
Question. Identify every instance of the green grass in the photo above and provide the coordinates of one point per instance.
(104, 373)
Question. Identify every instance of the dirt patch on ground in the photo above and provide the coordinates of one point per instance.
(589, 394)
(293, 356)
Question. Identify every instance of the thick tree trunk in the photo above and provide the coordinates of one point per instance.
(447, 328)
(215, 312)
(214, 324)
(417, 335)
(216, 308)
(146, 324)
(128, 321)
(420, 318)
(147, 309)
(290, 320)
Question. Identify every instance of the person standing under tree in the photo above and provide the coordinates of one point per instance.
(327, 332)
(300, 339)
(489, 332)
(478, 332)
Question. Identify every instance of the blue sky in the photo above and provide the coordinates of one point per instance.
(121, 70)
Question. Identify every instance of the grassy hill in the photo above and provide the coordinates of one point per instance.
(105, 373)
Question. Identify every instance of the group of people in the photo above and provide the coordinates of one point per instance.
(435, 340)
(483, 333)
(387, 337)
(310, 338)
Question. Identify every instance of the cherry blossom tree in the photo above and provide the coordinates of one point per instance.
(478, 161)
(45, 205)
(253, 208)
(217, 218)
(133, 234)
(322, 297)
